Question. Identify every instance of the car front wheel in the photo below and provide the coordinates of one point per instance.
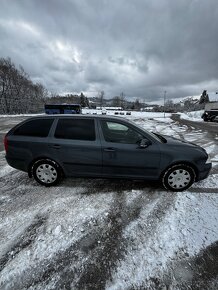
(46, 172)
(178, 177)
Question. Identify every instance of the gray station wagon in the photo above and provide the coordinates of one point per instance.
(52, 147)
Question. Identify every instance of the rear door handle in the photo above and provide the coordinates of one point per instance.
(55, 146)
(109, 149)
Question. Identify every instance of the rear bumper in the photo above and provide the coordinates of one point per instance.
(204, 172)
(17, 163)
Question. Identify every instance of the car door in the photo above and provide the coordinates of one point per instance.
(122, 154)
(76, 146)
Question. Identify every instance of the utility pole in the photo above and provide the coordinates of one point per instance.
(165, 92)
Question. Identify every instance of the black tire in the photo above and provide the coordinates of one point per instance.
(178, 177)
(46, 172)
(212, 118)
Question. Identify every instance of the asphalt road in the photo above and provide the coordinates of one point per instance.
(210, 127)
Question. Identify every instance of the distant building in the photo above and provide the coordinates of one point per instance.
(147, 109)
(110, 108)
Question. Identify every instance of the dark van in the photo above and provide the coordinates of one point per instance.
(51, 147)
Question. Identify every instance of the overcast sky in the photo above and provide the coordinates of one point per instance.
(139, 47)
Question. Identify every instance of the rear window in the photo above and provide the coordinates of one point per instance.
(76, 129)
(35, 128)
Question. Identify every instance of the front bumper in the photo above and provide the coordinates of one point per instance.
(204, 172)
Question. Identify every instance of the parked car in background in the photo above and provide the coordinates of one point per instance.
(63, 109)
(211, 112)
(216, 119)
(51, 147)
(104, 111)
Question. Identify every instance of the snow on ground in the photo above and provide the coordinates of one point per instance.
(193, 116)
(124, 232)
(68, 218)
(164, 117)
(20, 115)
(134, 114)
(184, 228)
(4, 168)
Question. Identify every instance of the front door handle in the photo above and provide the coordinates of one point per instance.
(109, 149)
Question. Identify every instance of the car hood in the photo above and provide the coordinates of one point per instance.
(174, 141)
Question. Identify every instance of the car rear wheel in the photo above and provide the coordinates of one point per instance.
(178, 177)
(46, 172)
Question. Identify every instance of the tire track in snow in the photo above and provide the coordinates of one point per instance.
(107, 260)
(199, 272)
(24, 241)
(89, 263)
(146, 227)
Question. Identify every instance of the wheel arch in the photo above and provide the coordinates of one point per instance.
(30, 173)
(187, 163)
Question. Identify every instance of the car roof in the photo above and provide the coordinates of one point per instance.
(52, 116)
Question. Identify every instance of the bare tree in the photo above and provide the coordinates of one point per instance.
(18, 94)
(204, 98)
(101, 98)
(116, 101)
(122, 100)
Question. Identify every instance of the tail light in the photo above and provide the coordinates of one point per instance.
(6, 143)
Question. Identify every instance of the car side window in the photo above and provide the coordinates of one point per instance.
(76, 129)
(34, 128)
(119, 133)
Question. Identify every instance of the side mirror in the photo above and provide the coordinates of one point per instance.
(144, 143)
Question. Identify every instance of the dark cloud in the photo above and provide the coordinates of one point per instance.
(141, 47)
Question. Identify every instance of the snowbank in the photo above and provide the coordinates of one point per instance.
(193, 116)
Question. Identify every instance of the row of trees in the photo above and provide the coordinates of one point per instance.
(69, 99)
(189, 104)
(18, 94)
